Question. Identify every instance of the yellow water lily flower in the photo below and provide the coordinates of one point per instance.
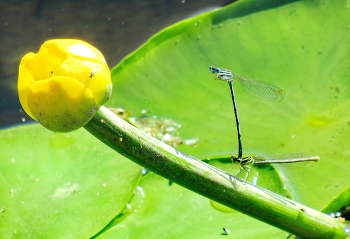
(64, 84)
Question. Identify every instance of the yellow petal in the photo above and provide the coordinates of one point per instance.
(79, 49)
(45, 61)
(93, 75)
(61, 104)
(25, 80)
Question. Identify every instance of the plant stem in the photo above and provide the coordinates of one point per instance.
(211, 182)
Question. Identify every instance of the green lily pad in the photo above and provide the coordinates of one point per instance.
(174, 212)
(289, 46)
(340, 205)
(157, 197)
(60, 185)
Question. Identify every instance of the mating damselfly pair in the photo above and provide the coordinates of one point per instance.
(265, 92)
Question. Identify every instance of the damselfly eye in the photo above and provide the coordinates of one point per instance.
(212, 69)
(217, 70)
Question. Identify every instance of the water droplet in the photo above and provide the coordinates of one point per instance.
(140, 189)
(137, 200)
(144, 112)
(144, 171)
(166, 137)
(191, 142)
(127, 209)
(255, 181)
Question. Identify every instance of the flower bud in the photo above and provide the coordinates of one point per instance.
(64, 84)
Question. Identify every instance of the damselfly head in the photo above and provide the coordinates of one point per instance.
(214, 69)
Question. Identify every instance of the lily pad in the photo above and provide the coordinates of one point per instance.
(340, 205)
(60, 185)
(175, 212)
(289, 46)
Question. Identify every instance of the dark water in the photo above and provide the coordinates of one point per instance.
(116, 28)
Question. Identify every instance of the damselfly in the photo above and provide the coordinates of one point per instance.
(265, 92)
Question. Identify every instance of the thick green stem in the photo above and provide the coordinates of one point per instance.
(211, 182)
